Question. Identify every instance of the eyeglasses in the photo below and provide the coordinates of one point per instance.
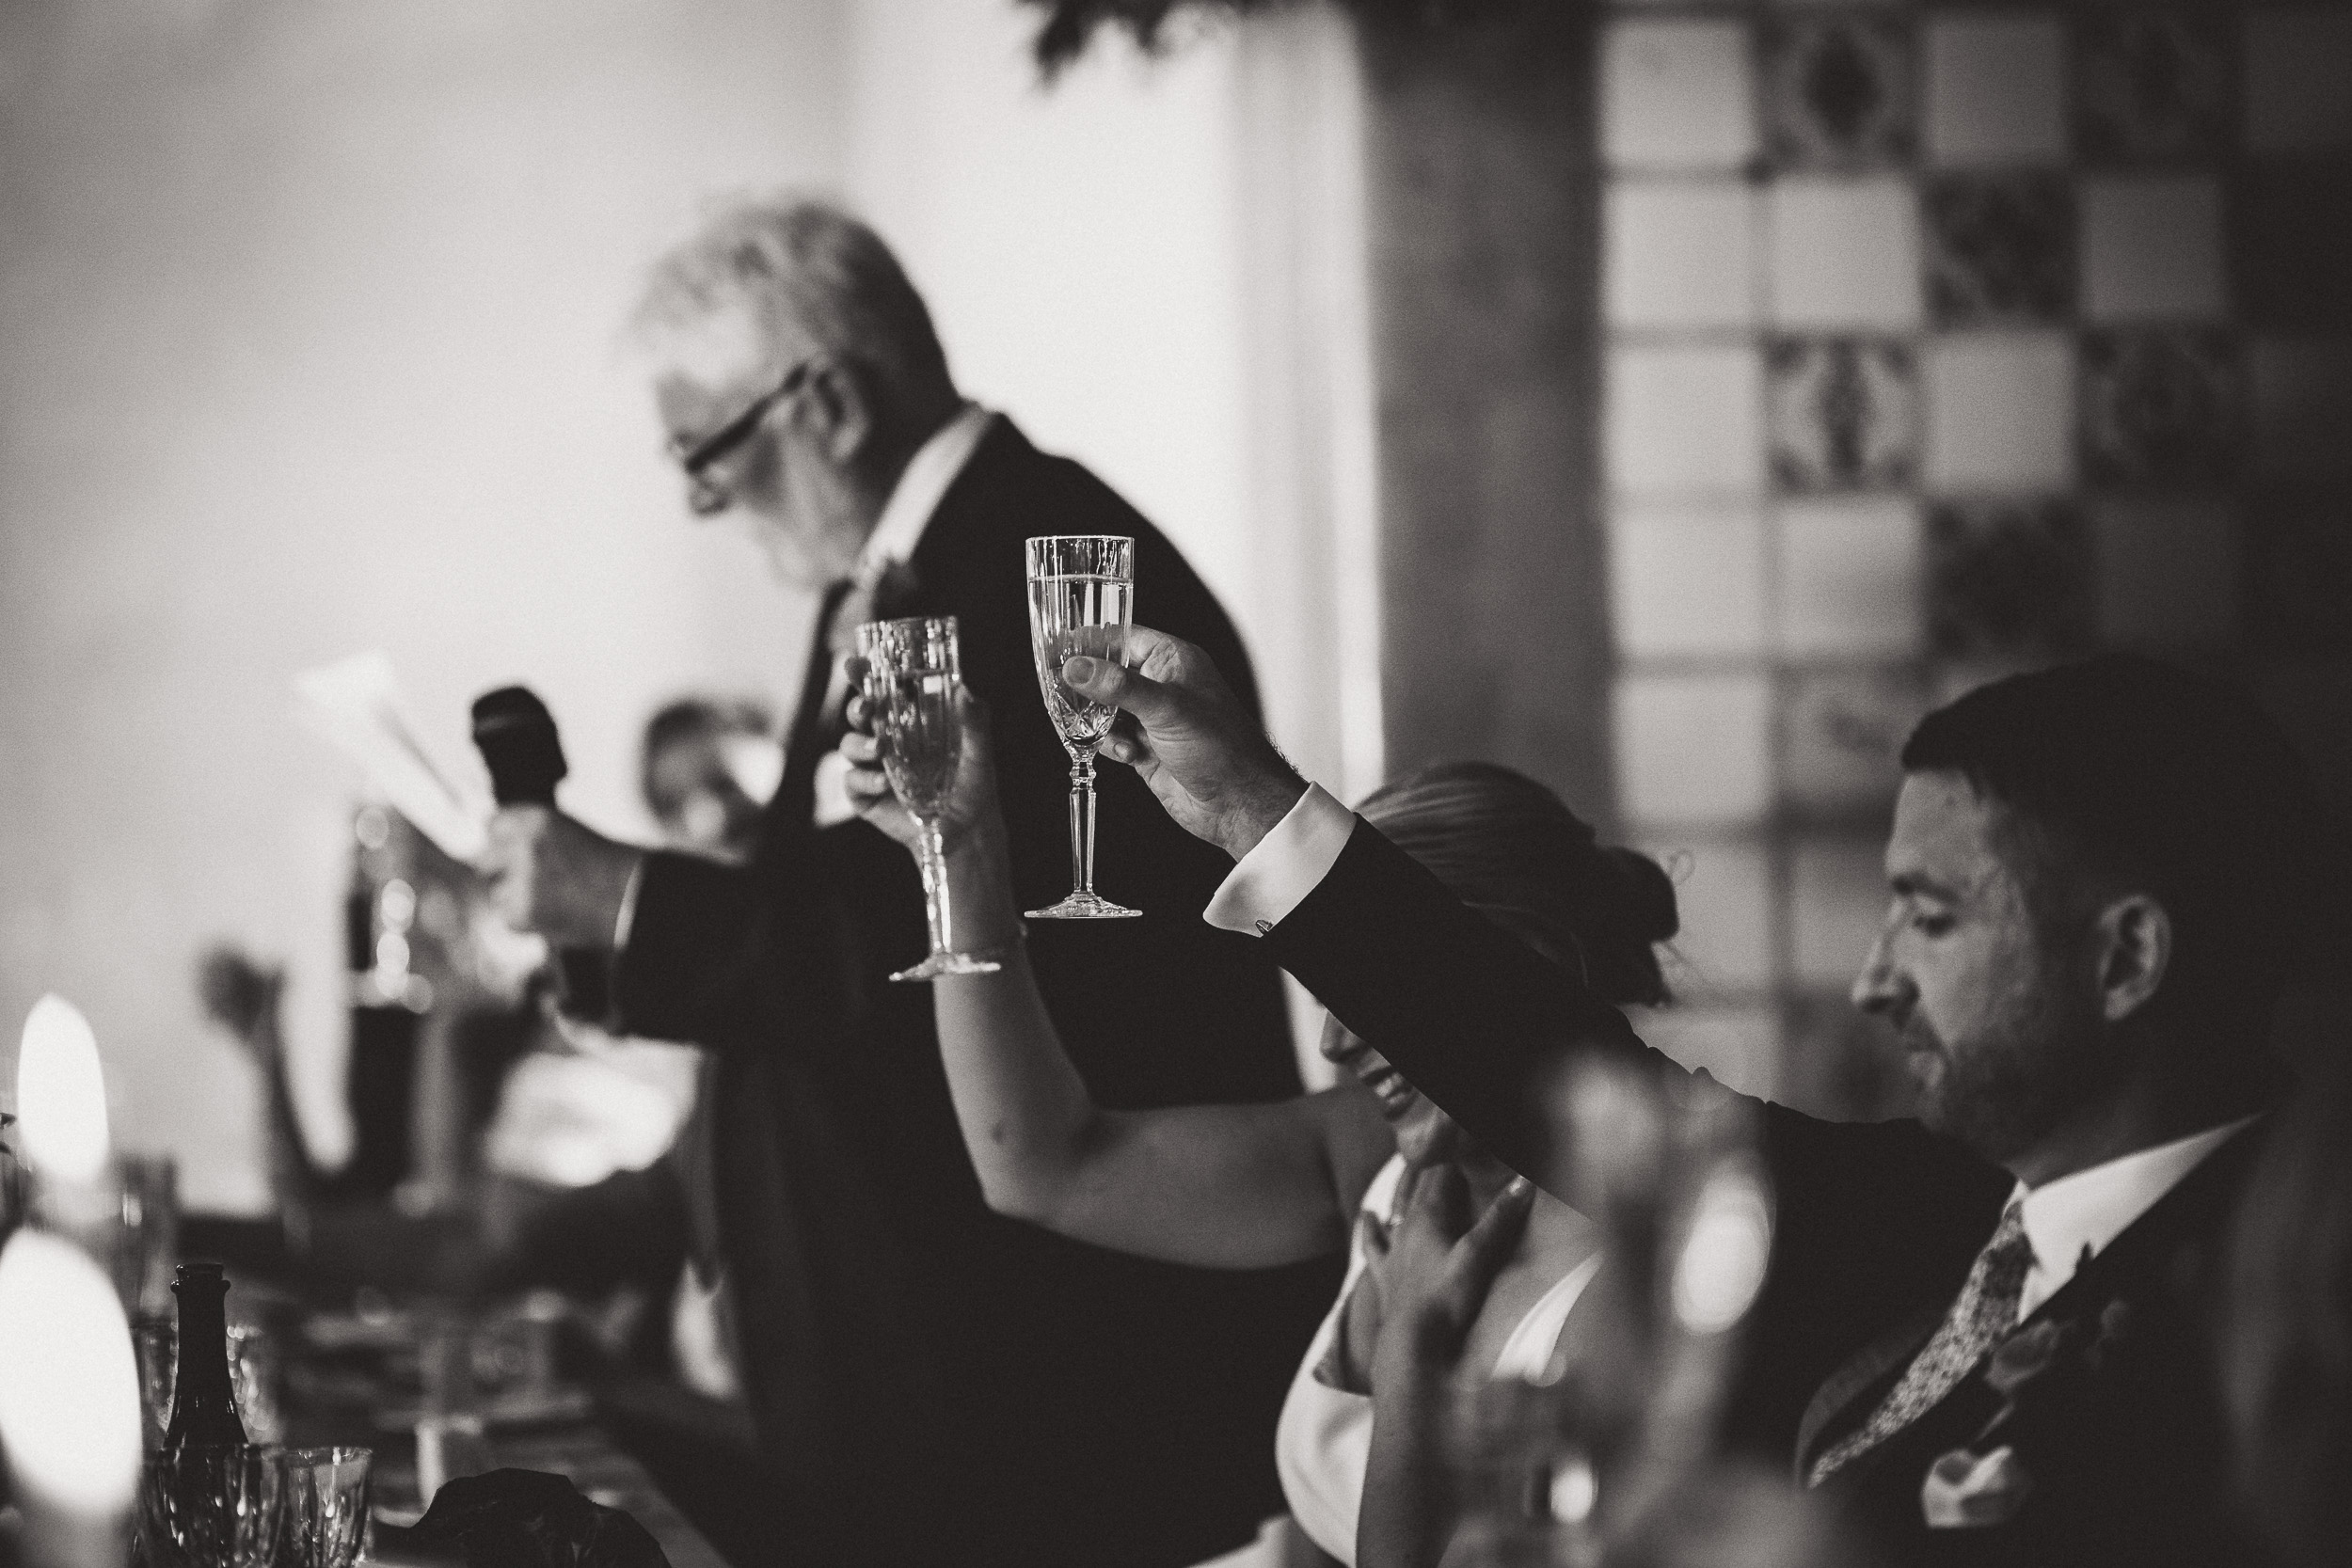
(703, 496)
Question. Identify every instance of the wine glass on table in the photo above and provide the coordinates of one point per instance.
(913, 678)
(1082, 592)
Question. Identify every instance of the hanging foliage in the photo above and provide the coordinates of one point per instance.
(1071, 25)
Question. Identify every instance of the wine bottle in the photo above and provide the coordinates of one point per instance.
(203, 1404)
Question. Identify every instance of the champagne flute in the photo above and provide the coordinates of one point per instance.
(1082, 589)
(913, 676)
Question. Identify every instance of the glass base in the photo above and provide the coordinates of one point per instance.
(948, 963)
(1086, 906)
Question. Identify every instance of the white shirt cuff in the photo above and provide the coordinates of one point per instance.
(628, 917)
(1287, 864)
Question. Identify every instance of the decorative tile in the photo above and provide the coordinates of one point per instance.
(2299, 571)
(1849, 577)
(1679, 253)
(1676, 95)
(1738, 1047)
(2000, 249)
(1999, 411)
(1845, 253)
(1685, 584)
(2151, 248)
(1685, 420)
(2298, 63)
(1724, 892)
(2152, 87)
(1695, 750)
(1836, 901)
(1841, 413)
(2009, 580)
(2161, 408)
(2290, 230)
(2167, 572)
(2302, 406)
(1841, 734)
(1995, 89)
(1838, 91)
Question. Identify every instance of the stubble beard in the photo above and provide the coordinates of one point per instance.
(2006, 1090)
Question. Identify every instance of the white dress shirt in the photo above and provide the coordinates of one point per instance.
(897, 531)
(1285, 866)
(2070, 1221)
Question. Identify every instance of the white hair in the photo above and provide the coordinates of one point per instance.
(806, 272)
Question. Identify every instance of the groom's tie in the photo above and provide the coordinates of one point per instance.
(1980, 1319)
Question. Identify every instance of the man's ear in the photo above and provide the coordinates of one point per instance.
(2133, 943)
(841, 411)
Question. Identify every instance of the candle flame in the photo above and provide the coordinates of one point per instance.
(68, 1386)
(61, 1092)
(1724, 1258)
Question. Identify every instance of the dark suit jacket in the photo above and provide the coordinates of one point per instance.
(943, 1384)
(1878, 1225)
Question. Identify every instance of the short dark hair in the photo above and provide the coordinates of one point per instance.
(2175, 781)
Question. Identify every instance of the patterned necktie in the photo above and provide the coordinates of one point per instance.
(1983, 1316)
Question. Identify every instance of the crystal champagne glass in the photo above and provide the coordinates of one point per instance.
(912, 675)
(1081, 591)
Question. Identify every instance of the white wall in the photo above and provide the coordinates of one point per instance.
(1077, 245)
(309, 320)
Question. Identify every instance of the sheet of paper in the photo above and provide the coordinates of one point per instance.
(354, 704)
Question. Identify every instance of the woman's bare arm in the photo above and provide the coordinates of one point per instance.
(1220, 1186)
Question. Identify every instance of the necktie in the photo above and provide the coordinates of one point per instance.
(804, 742)
(1981, 1317)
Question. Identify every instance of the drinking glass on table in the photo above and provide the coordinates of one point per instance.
(913, 678)
(322, 1506)
(1082, 589)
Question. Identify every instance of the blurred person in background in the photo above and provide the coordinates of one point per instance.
(1982, 1337)
(571, 1117)
(933, 1383)
(707, 770)
(608, 1106)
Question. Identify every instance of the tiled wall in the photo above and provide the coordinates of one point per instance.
(1940, 342)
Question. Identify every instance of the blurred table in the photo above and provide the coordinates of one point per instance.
(350, 1380)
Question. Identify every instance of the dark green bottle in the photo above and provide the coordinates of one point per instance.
(204, 1401)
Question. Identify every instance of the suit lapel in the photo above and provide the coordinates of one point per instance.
(1851, 1393)
(2137, 1260)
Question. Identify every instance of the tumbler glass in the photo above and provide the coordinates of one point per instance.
(323, 1508)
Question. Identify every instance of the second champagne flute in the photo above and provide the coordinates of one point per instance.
(913, 676)
(1081, 591)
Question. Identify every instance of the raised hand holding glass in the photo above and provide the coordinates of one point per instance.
(913, 678)
(1081, 591)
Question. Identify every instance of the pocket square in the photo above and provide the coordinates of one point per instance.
(1969, 1491)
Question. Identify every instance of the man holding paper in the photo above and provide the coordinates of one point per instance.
(935, 1382)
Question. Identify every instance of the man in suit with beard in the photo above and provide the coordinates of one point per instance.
(931, 1382)
(1979, 1336)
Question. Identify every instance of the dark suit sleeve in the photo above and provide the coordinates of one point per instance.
(679, 974)
(1482, 1023)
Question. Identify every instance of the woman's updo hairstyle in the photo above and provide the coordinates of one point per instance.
(1509, 849)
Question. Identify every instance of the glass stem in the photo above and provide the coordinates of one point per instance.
(931, 855)
(1081, 822)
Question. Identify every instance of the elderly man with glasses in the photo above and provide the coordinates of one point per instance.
(931, 1382)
